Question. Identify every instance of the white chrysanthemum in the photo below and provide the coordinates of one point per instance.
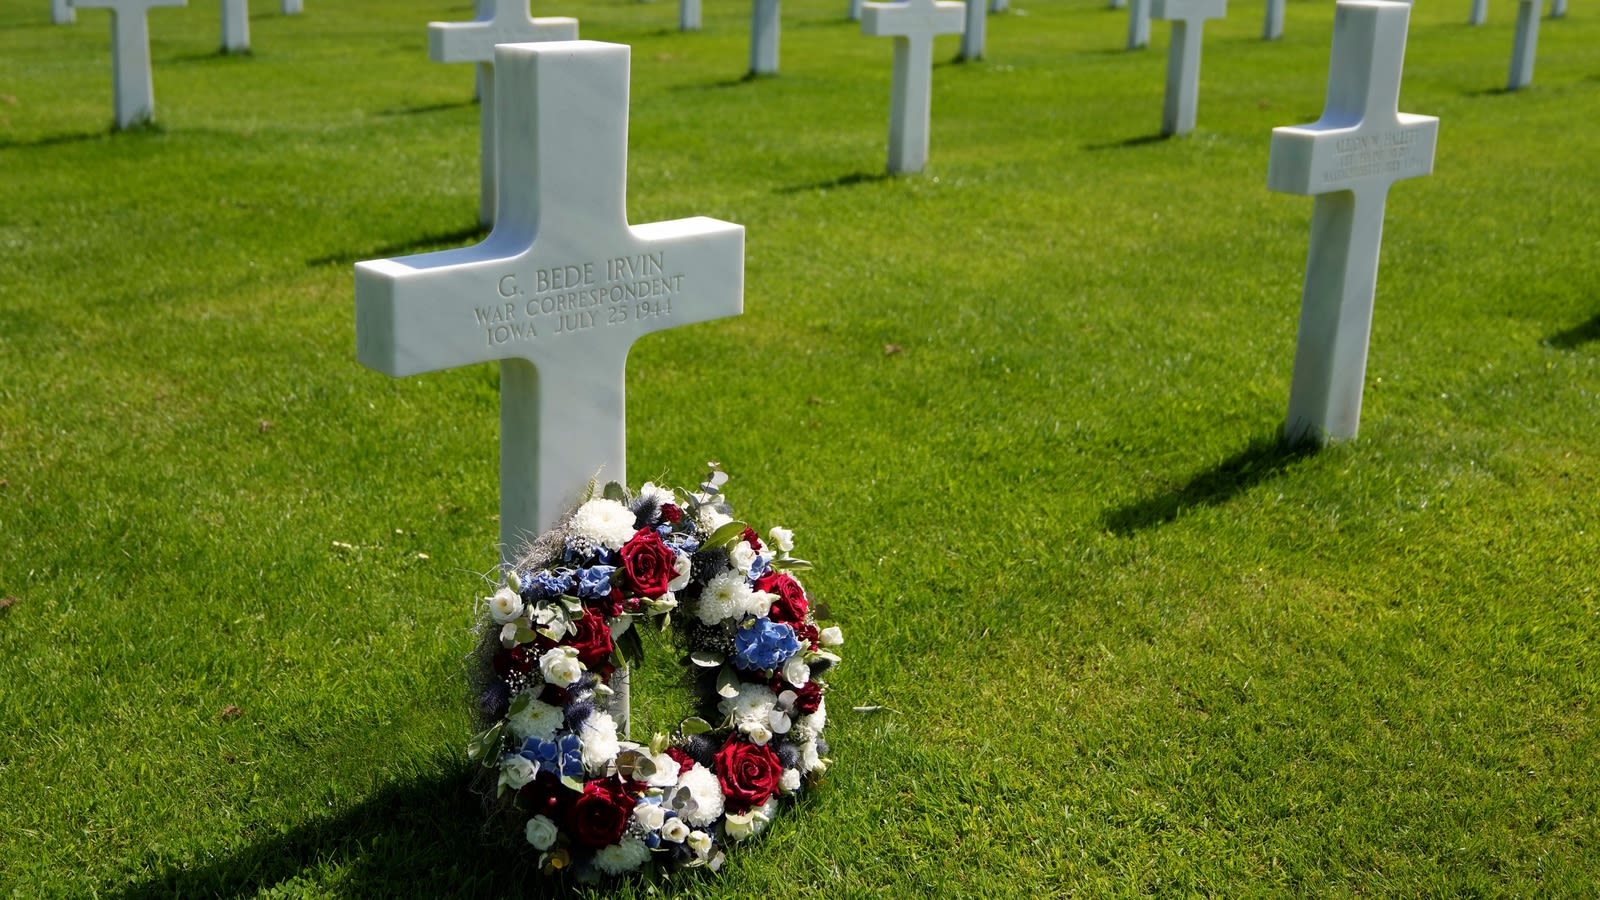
(742, 555)
(599, 738)
(606, 522)
(782, 538)
(541, 833)
(725, 597)
(705, 796)
(622, 857)
(560, 666)
(753, 703)
(657, 495)
(505, 605)
(537, 720)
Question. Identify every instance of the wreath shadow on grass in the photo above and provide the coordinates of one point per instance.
(418, 839)
(1262, 458)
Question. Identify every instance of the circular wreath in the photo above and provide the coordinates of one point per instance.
(567, 617)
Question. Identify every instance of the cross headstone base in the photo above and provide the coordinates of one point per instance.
(763, 37)
(235, 26)
(688, 15)
(291, 8)
(1480, 12)
(1525, 46)
(1138, 24)
(972, 36)
(1182, 98)
(1272, 24)
(131, 87)
(61, 13)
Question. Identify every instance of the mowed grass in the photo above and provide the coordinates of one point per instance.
(1020, 409)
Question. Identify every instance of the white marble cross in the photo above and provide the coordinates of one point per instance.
(1348, 159)
(1558, 9)
(1117, 4)
(1526, 44)
(235, 26)
(135, 99)
(291, 8)
(1480, 12)
(560, 289)
(854, 12)
(1272, 24)
(1138, 24)
(498, 22)
(61, 13)
(972, 35)
(999, 6)
(1183, 58)
(763, 37)
(913, 25)
(688, 15)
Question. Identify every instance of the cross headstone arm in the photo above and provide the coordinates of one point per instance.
(423, 313)
(475, 41)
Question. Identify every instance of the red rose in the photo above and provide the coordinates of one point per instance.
(600, 816)
(748, 772)
(647, 564)
(671, 513)
(520, 659)
(685, 761)
(790, 607)
(749, 535)
(808, 634)
(592, 640)
(807, 698)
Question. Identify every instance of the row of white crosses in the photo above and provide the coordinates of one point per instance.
(560, 289)
(132, 90)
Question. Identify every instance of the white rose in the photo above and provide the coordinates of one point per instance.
(560, 666)
(517, 770)
(795, 671)
(681, 564)
(742, 555)
(650, 815)
(663, 604)
(750, 824)
(675, 830)
(508, 635)
(831, 636)
(782, 538)
(757, 732)
(505, 605)
(666, 773)
(700, 843)
(541, 833)
(790, 781)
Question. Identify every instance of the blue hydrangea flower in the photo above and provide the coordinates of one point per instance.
(594, 583)
(762, 644)
(553, 584)
(563, 755)
(759, 567)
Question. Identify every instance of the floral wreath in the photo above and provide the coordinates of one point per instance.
(554, 768)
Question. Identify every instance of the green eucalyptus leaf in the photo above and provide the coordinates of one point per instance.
(484, 746)
(791, 563)
(573, 783)
(727, 682)
(614, 491)
(658, 744)
(694, 725)
(525, 635)
(519, 704)
(726, 534)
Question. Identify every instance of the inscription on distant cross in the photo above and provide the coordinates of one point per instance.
(497, 22)
(913, 25)
(1347, 159)
(134, 96)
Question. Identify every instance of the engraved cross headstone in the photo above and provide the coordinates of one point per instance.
(1348, 159)
(913, 25)
(61, 13)
(1138, 24)
(498, 22)
(235, 26)
(972, 35)
(134, 96)
(1525, 45)
(560, 289)
(1183, 58)
(763, 37)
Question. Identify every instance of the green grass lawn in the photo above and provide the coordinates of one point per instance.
(1130, 646)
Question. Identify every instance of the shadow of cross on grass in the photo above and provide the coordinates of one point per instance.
(417, 839)
(1576, 336)
(1263, 457)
